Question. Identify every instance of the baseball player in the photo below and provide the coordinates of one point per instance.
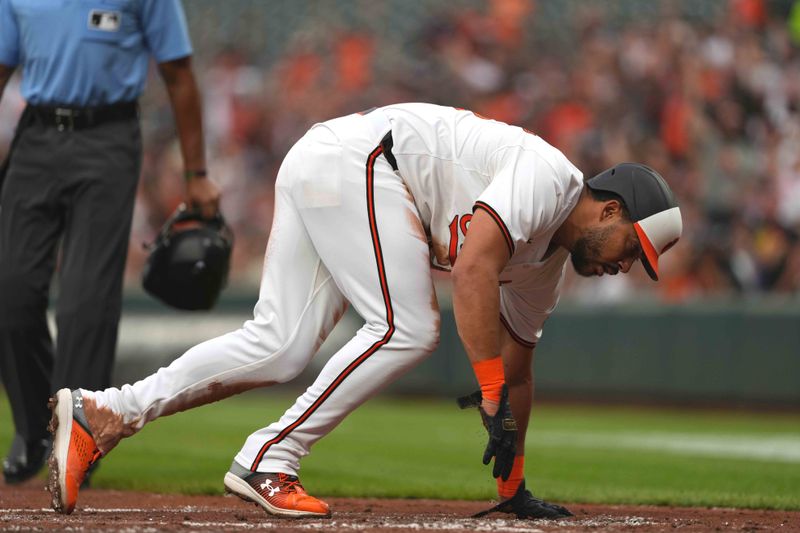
(365, 204)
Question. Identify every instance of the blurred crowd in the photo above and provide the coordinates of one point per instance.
(712, 103)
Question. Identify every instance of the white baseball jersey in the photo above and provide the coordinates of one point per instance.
(454, 161)
(350, 230)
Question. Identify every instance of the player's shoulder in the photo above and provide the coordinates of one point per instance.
(543, 161)
(549, 154)
(566, 178)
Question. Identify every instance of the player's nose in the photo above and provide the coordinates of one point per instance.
(625, 265)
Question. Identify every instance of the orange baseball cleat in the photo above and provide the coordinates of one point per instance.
(279, 494)
(74, 449)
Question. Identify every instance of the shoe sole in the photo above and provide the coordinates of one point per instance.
(61, 428)
(241, 488)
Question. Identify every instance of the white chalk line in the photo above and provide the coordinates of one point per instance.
(116, 510)
(440, 525)
(450, 524)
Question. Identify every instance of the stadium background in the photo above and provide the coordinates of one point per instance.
(706, 92)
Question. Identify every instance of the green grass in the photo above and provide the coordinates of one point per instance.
(430, 449)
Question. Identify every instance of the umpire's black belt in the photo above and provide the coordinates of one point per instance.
(66, 118)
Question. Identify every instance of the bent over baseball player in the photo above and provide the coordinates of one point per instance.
(364, 205)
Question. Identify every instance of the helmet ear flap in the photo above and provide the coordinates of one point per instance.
(189, 261)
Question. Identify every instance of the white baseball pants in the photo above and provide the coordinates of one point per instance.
(345, 230)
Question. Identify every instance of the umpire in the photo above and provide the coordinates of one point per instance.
(71, 176)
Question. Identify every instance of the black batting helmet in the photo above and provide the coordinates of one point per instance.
(188, 263)
(654, 212)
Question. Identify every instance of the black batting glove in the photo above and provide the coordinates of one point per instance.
(502, 429)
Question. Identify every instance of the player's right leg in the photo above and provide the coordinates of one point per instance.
(298, 306)
(365, 227)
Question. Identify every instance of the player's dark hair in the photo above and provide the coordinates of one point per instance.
(605, 196)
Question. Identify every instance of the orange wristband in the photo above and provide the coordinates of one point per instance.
(490, 377)
(507, 489)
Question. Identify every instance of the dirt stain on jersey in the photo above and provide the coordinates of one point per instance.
(337, 316)
(415, 225)
(324, 332)
(106, 426)
(440, 252)
(216, 391)
(437, 321)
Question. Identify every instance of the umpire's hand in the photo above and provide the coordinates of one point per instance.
(202, 194)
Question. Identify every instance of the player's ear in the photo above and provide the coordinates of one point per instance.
(611, 209)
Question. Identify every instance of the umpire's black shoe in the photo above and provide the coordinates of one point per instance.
(25, 459)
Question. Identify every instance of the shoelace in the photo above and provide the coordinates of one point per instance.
(288, 484)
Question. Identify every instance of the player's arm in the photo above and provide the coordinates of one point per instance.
(476, 303)
(517, 364)
(515, 499)
(185, 98)
(509, 442)
(476, 294)
(5, 75)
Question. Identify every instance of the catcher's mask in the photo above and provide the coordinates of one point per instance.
(188, 262)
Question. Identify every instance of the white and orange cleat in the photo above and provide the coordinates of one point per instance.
(74, 449)
(279, 494)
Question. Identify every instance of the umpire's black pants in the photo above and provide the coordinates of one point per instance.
(77, 187)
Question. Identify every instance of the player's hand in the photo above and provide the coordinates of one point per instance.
(202, 194)
(502, 443)
(502, 429)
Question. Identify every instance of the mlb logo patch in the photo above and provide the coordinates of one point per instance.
(105, 20)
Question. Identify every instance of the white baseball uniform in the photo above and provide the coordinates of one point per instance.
(349, 228)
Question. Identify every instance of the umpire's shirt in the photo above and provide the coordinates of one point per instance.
(72, 175)
(89, 52)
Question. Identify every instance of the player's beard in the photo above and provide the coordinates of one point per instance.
(587, 249)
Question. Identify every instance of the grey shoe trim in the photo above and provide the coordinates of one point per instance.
(77, 410)
(238, 470)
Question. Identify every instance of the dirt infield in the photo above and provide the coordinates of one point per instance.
(26, 508)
